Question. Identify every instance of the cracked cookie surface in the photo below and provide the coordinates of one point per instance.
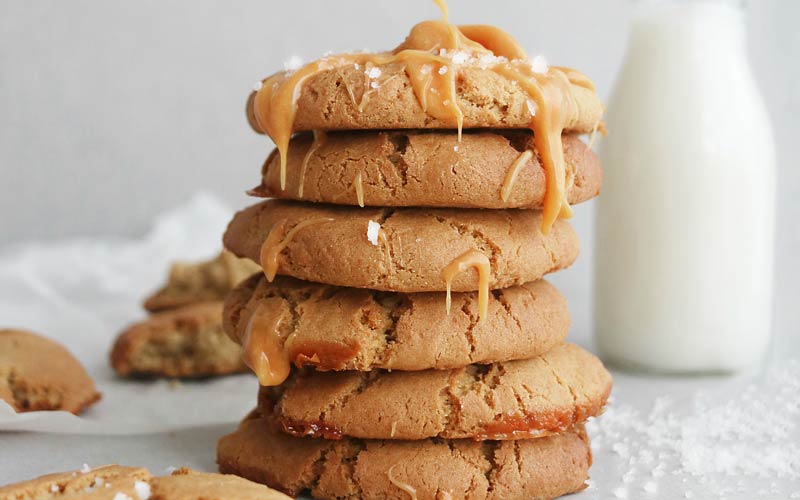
(417, 244)
(339, 328)
(433, 468)
(515, 399)
(426, 169)
(37, 373)
(185, 342)
(114, 482)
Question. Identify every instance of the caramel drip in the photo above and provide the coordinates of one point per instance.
(412, 492)
(511, 175)
(428, 60)
(277, 240)
(481, 263)
(319, 140)
(262, 346)
(275, 105)
(551, 94)
(359, 187)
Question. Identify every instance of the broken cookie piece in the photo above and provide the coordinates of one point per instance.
(37, 373)
(184, 342)
(207, 281)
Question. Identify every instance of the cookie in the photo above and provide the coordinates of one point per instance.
(338, 328)
(426, 169)
(37, 373)
(332, 99)
(403, 249)
(365, 469)
(524, 398)
(190, 283)
(184, 342)
(115, 482)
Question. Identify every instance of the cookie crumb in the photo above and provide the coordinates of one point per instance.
(373, 229)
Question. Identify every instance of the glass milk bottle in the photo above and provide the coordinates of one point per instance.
(685, 222)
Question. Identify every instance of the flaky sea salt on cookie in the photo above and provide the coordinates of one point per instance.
(37, 373)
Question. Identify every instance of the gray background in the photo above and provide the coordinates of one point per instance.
(112, 111)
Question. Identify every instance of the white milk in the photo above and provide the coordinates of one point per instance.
(685, 221)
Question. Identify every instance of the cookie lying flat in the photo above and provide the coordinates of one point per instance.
(524, 398)
(408, 252)
(337, 328)
(486, 99)
(184, 342)
(207, 281)
(355, 469)
(39, 374)
(426, 169)
(115, 482)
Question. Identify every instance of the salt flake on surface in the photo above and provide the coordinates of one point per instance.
(460, 57)
(373, 228)
(374, 72)
(618, 493)
(443, 70)
(258, 85)
(54, 488)
(85, 469)
(539, 64)
(374, 85)
(293, 64)
(531, 104)
(426, 69)
(122, 496)
(650, 487)
(142, 490)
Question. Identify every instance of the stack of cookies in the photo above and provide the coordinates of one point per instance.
(405, 342)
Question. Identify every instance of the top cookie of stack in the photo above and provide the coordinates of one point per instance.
(445, 165)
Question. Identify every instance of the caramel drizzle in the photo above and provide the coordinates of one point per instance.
(278, 239)
(481, 263)
(412, 492)
(262, 347)
(359, 187)
(433, 78)
(319, 140)
(511, 175)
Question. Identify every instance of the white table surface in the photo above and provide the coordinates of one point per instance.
(24, 455)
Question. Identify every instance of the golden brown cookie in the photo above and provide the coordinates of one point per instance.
(338, 328)
(207, 281)
(408, 248)
(184, 342)
(37, 373)
(524, 398)
(115, 482)
(426, 169)
(364, 469)
(486, 98)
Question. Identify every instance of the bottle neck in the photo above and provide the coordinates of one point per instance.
(710, 23)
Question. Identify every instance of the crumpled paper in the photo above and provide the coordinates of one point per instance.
(82, 292)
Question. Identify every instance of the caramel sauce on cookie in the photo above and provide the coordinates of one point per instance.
(262, 346)
(277, 239)
(319, 140)
(526, 426)
(481, 263)
(412, 492)
(513, 171)
(359, 188)
(433, 56)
